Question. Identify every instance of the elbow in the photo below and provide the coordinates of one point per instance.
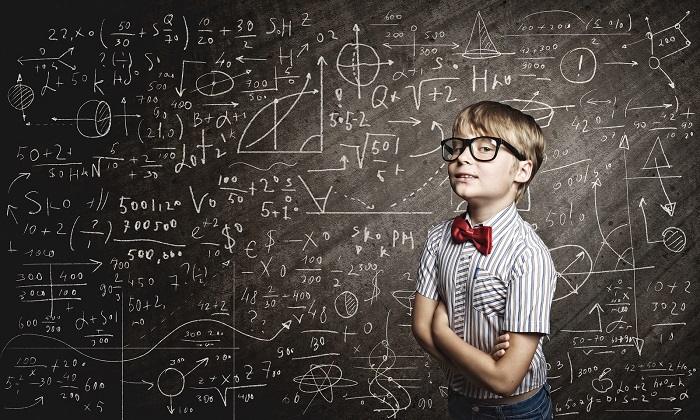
(422, 335)
(498, 381)
(417, 334)
(505, 387)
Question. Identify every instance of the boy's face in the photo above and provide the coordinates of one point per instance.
(487, 185)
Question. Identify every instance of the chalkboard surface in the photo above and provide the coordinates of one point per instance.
(216, 209)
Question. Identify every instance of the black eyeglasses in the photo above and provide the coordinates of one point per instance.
(482, 148)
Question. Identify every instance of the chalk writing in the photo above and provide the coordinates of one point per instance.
(217, 210)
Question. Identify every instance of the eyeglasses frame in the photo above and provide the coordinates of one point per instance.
(468, 143)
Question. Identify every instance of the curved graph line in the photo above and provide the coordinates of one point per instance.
(312, 137)
(278, 121)
(386, 396)
(285, 326)
(555, 11)
(541, 106)
(261, 169)
(620, 255)
(437, 149)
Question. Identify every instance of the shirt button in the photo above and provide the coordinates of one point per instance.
(475, 408)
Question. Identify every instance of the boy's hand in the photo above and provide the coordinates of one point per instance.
(502, 344)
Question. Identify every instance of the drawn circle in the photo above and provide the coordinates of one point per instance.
(171, 382)
(577, 267)
(352, 69)
(20, 96)
(654, 63)
(578, 65)
(214, 83)
(602, 385)
(94, 119)
(321, 379)
(674, 239)
(346, 304)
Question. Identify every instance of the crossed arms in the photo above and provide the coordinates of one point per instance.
(500, 372)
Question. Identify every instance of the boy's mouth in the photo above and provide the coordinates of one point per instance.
(465, 176)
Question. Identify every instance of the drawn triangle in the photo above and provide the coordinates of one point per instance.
(624, 143)
(657, 157)
(324, 200)
(320, 202)
(669, 208)
(480, 34)
(639, 344)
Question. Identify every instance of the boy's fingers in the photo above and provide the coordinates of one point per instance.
(501, 346)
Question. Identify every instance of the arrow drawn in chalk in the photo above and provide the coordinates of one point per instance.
(37, 400)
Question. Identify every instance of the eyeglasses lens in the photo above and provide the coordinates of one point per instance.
(483, 149)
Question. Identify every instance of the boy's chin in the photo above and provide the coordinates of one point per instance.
(463, 191)
(467, 197)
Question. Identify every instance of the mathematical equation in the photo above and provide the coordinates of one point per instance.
(223, 208)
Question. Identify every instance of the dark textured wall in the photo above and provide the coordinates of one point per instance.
(216, 210)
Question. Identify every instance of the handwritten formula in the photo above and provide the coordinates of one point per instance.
(216, 210)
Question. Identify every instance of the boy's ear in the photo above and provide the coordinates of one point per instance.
(524, 171)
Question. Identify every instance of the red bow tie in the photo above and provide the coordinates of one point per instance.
(481, 236)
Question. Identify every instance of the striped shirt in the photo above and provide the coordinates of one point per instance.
(511, 289)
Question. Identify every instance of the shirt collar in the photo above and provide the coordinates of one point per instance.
(498, 220)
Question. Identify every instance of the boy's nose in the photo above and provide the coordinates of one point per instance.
(465, 156)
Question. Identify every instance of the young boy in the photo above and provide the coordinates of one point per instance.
(470, 289)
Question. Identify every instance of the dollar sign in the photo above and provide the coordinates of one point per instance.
(270, 240)
(230, 242)
(376, 290)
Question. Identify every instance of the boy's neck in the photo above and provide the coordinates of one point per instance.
(480, 214)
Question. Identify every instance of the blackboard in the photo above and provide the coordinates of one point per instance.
(216, 209)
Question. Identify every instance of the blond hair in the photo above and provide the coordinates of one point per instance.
(496, 119)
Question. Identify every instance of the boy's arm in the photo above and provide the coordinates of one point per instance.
(421, 324)
(502, 376)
